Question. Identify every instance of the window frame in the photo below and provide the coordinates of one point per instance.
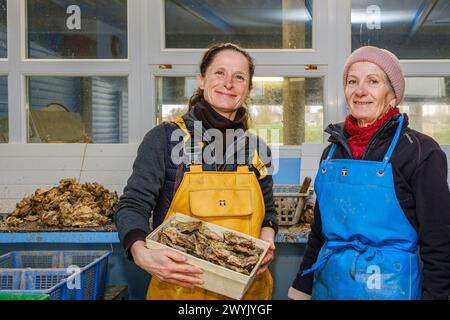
(158, 54)
(17, 67)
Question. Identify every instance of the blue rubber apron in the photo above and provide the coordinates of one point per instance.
(370, 246)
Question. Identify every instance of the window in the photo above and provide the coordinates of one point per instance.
(251, 23)
(284, 110)
(291, 106)
(427, 103)
(413, 29)
(82, 29)
(4, 109)
(78, 109)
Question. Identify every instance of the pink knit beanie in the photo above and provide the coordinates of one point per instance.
(386, 60)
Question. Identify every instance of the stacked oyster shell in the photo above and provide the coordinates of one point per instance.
(70, 204)
(229, 250)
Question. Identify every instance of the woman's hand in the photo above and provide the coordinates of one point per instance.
(268, 235)
(166, 265)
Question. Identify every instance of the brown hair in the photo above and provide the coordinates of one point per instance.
(208, 58)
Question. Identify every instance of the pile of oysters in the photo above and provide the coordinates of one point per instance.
(70, 204)
(229, 250)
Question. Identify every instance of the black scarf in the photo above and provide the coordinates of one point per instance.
(213, 120)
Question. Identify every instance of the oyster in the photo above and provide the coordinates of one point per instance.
(165, 240)
(50, 218)
(227, 265)
(180, 239)
(247, 251)
(243, 262)
(200, 249)
(186, 227)
(13, 221)
(202, 239)
(233, 239)
(224, 252)
(234, 268)
(209, 233)
(221, 250)
(31, 218)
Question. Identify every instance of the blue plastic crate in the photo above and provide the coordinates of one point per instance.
(49, 272)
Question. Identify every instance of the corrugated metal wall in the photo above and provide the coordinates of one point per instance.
(62, 90)
(108, 106)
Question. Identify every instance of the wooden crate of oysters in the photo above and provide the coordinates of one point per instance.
(228, 258)
(70, 206)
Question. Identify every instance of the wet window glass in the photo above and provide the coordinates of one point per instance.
(413, 29)
(83, 29)
(427, 103)
(4, 109)
(3, 30)
(284, 110)
(78, 109)
(255, 24)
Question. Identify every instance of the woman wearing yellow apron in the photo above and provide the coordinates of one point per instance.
(204, 165)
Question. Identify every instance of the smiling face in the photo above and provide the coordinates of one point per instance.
(368, 93)
(225, 84)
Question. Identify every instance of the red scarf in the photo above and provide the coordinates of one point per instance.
(359, 137)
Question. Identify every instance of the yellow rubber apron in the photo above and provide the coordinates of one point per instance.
(230, 199)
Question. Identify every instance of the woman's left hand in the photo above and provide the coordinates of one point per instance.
(268, 235)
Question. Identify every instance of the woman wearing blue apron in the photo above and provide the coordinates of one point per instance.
(382, 198)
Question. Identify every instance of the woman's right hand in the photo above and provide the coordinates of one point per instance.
(166, 265)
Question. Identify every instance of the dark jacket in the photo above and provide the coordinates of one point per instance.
(420, 180)
(151, 186)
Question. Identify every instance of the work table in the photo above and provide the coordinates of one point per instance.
(291, 234)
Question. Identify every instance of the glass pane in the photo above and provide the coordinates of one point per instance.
(270, 24)
(78, 109)
(3, 29)
(427, 103)
(285, 110)
(290, 107)
(83, 29)
(413, 29)
(4, 109)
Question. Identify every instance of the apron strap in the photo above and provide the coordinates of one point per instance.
(323, 165)
(330, 154)
(388, 154)
(192, 150)
(357, 245)
(335, 247)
